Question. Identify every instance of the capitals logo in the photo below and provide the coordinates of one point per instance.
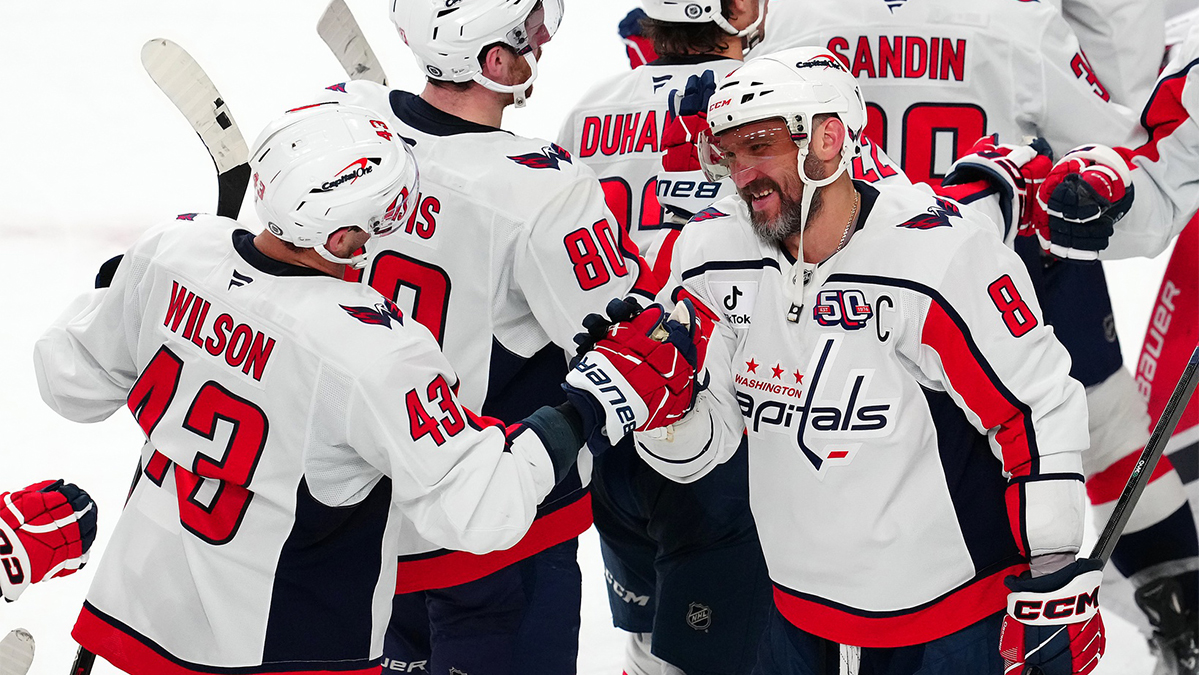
(935, 216)
(848, 309)
(381, 314)
(548, 158)
(826, 429)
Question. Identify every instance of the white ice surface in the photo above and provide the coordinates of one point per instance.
(93, 154)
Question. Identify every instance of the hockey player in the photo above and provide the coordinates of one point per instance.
(511, 246)
(676, 582)
(301, 430)
(894, 363)
(935, 75)
(46, 532)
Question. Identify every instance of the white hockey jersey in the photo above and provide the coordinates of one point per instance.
(913, 439)
(617, 128)
(510, 247)
(297, 424)
(938, 74)
(1165, 179)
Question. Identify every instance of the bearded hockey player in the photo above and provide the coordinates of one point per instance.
(511, 246)
(893, 362)
(935, 75)
(301, 430)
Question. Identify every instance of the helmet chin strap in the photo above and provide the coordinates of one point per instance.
(750, 34)
(802, 271)
(355, 261)
(518, 91)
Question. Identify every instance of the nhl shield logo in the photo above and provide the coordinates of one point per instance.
(699, 616)
(693, 11)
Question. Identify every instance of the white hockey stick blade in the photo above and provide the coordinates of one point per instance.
(190, 89)
(345, 39)
(16, 652)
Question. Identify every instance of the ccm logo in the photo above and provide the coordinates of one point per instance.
(720, 104)
(1059, 608)
(12, 564)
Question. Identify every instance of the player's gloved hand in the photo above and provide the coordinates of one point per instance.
(640, 375)
(680, 162)
(1086, 192)
(638, 48)
(46, 531)
(1053, 625)
(595, 326)
(1017, 171)
(1170, 606)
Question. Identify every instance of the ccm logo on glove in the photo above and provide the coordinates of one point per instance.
(1081, 605)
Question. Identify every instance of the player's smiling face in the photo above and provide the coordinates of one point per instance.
(761, 157)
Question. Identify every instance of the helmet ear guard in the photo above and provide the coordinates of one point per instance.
(322, 168)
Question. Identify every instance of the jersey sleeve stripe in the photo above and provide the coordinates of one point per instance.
(1164, 112)
(1107, 485)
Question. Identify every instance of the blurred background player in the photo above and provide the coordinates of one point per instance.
(510, 247)
(46, 531)
(937, 75)
(1164, 171)
(281, 442)
(691, 591)
(854, 424)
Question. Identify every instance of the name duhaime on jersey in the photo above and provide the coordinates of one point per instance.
(507, 251)
(617, 129)
(287, 454)
(918, 417)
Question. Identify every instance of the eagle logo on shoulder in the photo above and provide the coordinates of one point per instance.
(935, 216)
(707, 214)
(186, 216)
(381, 314)
(339, 87)
(548, 158)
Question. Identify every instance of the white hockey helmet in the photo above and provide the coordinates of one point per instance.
(703, 11)
(324, 167)
(793, 85)
(448, 36)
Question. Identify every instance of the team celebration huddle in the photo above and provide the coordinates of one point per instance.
(804, 313)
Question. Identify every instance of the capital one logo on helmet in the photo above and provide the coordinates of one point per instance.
(357, 169)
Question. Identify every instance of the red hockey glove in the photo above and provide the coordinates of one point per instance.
(45, 532)
(1089, 189)
(640, 375)
(683, 188)
(638, 48)
(1053, 626)
(1015, 171)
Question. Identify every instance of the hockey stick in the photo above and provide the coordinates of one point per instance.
(190, 89)
(345, 39)
(187, 85)
(16, 652)
(1146, 462)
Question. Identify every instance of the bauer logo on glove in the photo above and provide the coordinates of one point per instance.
(640, 374)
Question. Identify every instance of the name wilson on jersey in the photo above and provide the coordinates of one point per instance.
(241, 346)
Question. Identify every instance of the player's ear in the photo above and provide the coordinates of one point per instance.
(498, 63)
(742, 13)
(827, 141)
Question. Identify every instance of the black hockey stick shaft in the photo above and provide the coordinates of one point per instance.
(84, 660)
(1147, 461)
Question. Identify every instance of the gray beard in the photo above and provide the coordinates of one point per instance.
(775, 231)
